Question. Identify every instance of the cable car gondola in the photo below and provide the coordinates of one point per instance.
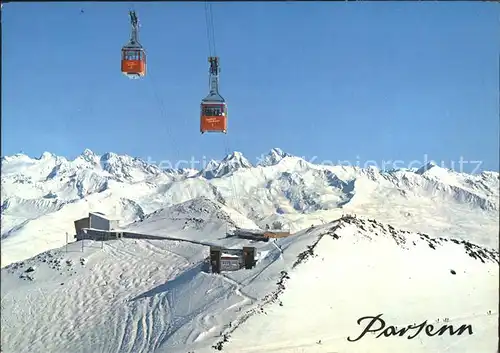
(133, 54)
(213, 107)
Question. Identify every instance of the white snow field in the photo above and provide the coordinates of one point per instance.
(421, 249)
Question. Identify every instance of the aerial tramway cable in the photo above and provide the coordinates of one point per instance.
(212, 53)
(210, 29)
(170, 138)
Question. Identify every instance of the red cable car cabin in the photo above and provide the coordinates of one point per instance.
(133, 62)
(213, 117)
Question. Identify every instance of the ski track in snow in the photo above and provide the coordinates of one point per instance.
(124, 294)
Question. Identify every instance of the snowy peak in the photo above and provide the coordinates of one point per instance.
(228, 165)
(118, 167)
(237, 160)
(357, 230)
(431, 170)
(47, 155)
(201, 207)
(88, 152)
(196, 213)
(430, 166)
(273, 157)
(88, 156)
(14, 163)
(126, 167)
(17, 156)
(211, 169)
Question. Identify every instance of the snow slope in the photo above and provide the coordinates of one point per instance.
(368, 271)
(154, 296)
(42, 197)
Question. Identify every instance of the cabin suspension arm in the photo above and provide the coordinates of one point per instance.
(214, 74)
(134, 38)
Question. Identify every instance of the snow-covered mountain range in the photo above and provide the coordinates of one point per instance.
(420, 250)
(42, 197)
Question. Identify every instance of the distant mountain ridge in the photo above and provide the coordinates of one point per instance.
(42, 196)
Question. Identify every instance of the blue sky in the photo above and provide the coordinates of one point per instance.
(331, 81)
